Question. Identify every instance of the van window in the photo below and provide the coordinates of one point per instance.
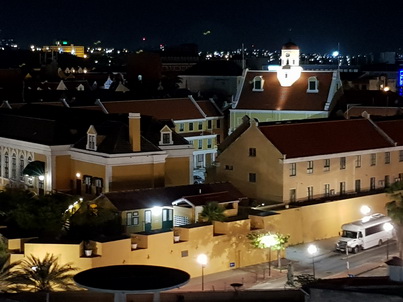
(349, 234)
(359, 235)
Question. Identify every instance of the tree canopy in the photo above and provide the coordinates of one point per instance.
(213, 212)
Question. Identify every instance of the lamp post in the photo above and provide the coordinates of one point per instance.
(312, 250)
(78, 183)
(388, 227)
(202, 260)
(268, 241)
(365, 210)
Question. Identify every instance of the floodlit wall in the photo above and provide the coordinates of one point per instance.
(224, 243)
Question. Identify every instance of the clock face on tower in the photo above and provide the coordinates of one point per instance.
(287, 55)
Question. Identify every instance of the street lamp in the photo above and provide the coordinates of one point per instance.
(268, 241)
(365, 210)
(312, 250)
(388, 227)
(202, 260)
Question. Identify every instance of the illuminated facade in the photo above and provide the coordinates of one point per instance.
(285, 93)
(113, 155)
(63, 47)
(297, 162)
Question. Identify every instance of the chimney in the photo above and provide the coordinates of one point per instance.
(134, 131)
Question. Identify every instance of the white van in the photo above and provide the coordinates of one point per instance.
(364, 233)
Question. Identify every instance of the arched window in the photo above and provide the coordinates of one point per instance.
(22, 166)
(14, 166)
(6, 165)
(258, 83)
(313, 84)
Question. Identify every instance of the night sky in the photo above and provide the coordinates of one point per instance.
(315, 26)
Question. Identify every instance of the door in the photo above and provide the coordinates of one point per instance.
(147, 221)
(167, 219)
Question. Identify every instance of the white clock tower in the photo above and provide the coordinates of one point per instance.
(290, 70)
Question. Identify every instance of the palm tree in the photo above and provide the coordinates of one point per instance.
(213, 212)
(6, 284)
(46, 275)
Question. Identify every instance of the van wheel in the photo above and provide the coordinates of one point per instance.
(380, 243)
(356, 249)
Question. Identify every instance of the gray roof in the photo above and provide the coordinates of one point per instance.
(147, 198)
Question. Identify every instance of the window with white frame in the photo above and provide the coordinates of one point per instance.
(258, 83)
(209, 124)
(373, 159)
(387, 158)
(293, 169)
(190, 126)
(309, 168)
(401, 155)
(92, 142)
(181, 127)
(358, 161)
(342, 163)
(132, 218)
(200, 126)
(200, 144)
(166, 136)
(326, 164)
(313, 84)
(209, 143)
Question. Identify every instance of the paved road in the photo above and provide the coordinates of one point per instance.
(328, 264)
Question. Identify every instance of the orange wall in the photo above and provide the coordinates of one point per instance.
(177, 171)
(63, 173)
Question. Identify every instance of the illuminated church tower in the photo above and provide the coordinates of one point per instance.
(290, 71)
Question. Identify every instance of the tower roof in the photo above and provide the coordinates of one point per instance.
(290, 45)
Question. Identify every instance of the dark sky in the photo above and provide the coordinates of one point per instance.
(315, 26)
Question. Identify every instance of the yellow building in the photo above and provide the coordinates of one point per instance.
(161, 209)
(200, 122)
(64, 48)
(87, 152)
(307, 161)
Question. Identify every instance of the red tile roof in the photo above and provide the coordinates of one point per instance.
(393, 129)
(276, 97)
(327, 137)
(208, 108)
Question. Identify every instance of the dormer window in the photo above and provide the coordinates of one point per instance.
(258, 83)
(91, 139)
(166, 136)
(313, 84)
